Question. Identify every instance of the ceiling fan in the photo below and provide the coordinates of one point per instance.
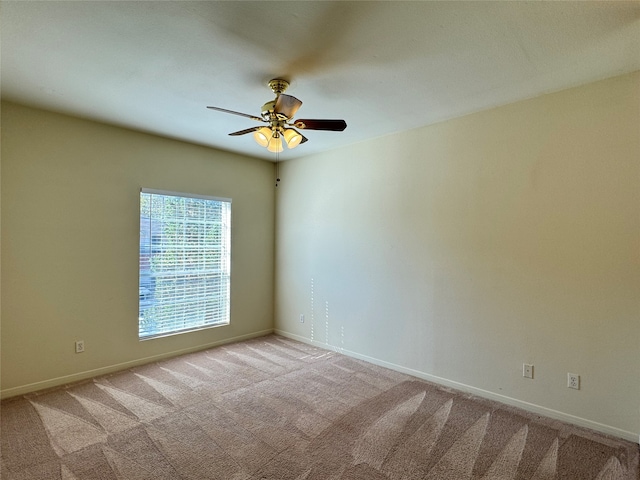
(278, 115)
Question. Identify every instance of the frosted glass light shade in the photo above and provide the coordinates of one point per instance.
(292, 138)
(262, 136)
(275, 144)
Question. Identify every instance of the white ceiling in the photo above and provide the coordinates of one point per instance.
(384, 67)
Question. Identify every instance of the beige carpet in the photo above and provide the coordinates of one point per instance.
(272, 408)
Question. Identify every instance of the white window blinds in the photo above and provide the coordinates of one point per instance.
(185, 263)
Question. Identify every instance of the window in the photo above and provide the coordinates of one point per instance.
(185, 263)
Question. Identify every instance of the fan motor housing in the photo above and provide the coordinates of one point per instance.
(268, 107)
(269, 114)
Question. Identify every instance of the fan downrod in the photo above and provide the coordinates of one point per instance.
(278, 85)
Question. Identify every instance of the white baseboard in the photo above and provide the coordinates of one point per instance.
(76, 377)
(514, 402)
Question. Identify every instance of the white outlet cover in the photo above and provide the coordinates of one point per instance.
(573, 381)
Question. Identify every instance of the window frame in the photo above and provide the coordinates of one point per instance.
(224, 245)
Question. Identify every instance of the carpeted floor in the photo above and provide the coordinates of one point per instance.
(273, 408)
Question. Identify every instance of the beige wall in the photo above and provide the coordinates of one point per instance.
(462, 250)
(70, 214)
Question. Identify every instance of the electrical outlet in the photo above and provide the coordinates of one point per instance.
(79, 346)
(302, 318)
(573, 381)
(527, 370)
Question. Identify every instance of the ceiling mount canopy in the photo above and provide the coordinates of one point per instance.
(278, 115)
(278, 85)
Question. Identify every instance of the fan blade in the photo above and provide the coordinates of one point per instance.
(287, 105)
(252, 117)
(244, 132)
(333, 125)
